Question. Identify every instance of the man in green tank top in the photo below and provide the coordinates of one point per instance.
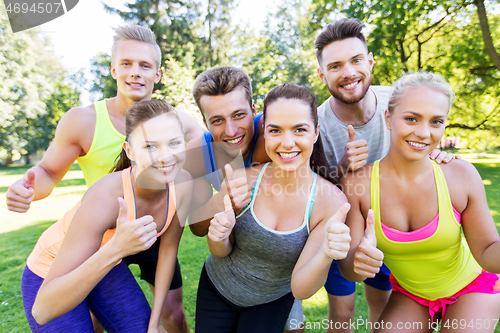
(135, 66)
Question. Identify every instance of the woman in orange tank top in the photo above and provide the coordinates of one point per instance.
(120, 215)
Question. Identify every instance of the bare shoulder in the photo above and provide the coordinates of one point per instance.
(100, 202)
(329, 194)
(183, 176)
(458, 167)
(195, 164)
(328, 199)
(361, 176)
(191, 126)
(82, 115)
(253, 172)
(77, 122)
(184, 186)
(463, 180)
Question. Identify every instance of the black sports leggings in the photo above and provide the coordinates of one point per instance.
(215, 314)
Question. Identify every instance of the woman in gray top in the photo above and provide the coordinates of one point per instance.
(285, 239)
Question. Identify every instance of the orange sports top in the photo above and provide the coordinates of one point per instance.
(48, 244)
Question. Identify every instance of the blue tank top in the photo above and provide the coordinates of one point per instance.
(259, 268)
(211, 169)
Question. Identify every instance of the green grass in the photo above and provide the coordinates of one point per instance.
(19, 233)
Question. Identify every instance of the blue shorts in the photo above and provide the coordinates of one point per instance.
(337, 285)
(117, 301)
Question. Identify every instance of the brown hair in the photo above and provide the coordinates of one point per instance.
(137, 33)
(220, 81)
(339, 30)
(136, 115)
(317, 162)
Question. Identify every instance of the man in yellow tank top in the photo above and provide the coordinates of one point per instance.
(136, 68)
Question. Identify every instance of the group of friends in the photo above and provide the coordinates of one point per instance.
(290, 199)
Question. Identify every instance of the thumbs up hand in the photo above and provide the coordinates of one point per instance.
(20, 194)
(368, 259)
(336, 241)
(133, 236)
(237, 187)
(356, 152)
(223, 223)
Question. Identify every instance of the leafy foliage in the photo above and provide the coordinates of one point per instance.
(33, 91)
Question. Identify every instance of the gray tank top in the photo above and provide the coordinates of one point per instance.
(259, 268)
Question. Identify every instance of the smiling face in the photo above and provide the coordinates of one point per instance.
(346, 69)
(230, 119)
(135, 69)
(157, 151)
(417, 122)
(289, 133)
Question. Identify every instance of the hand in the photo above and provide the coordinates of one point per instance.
(442, 156)
(356, 152)
(336, 241)
(223, 223)
(134, 236)
(20, 194)
(240, 192)
(368, 259)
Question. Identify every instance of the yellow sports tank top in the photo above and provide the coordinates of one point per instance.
(434, 267)
(105, 148)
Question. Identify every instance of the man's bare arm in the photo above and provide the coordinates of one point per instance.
(66, 147)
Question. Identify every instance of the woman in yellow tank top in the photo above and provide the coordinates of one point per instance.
(437, 272)
(92, 239)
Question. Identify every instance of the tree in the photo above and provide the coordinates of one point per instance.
(30, 75)
(103, 83)
(485, 29)
(174, 23)
(284, 53)
(438, 36)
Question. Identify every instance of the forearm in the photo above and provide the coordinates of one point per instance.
(309, 278)
(490, 258)
(199, 219)
(220, 249)
(44, 183)
(60, 295)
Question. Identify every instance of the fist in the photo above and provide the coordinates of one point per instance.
(368, 259)
(223, 223)
(20, 194)
(133, 236)
(336, 242)
(356, 152)
(238, 189)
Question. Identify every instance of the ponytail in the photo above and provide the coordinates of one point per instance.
(121, 162)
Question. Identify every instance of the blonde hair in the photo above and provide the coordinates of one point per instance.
(411, 81)
(137, 33)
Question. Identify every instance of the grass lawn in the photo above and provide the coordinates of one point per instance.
(19, 233)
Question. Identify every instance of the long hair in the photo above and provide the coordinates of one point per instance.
(317, 162)
(136, 115)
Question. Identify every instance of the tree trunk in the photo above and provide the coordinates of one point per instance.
(488, 42)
